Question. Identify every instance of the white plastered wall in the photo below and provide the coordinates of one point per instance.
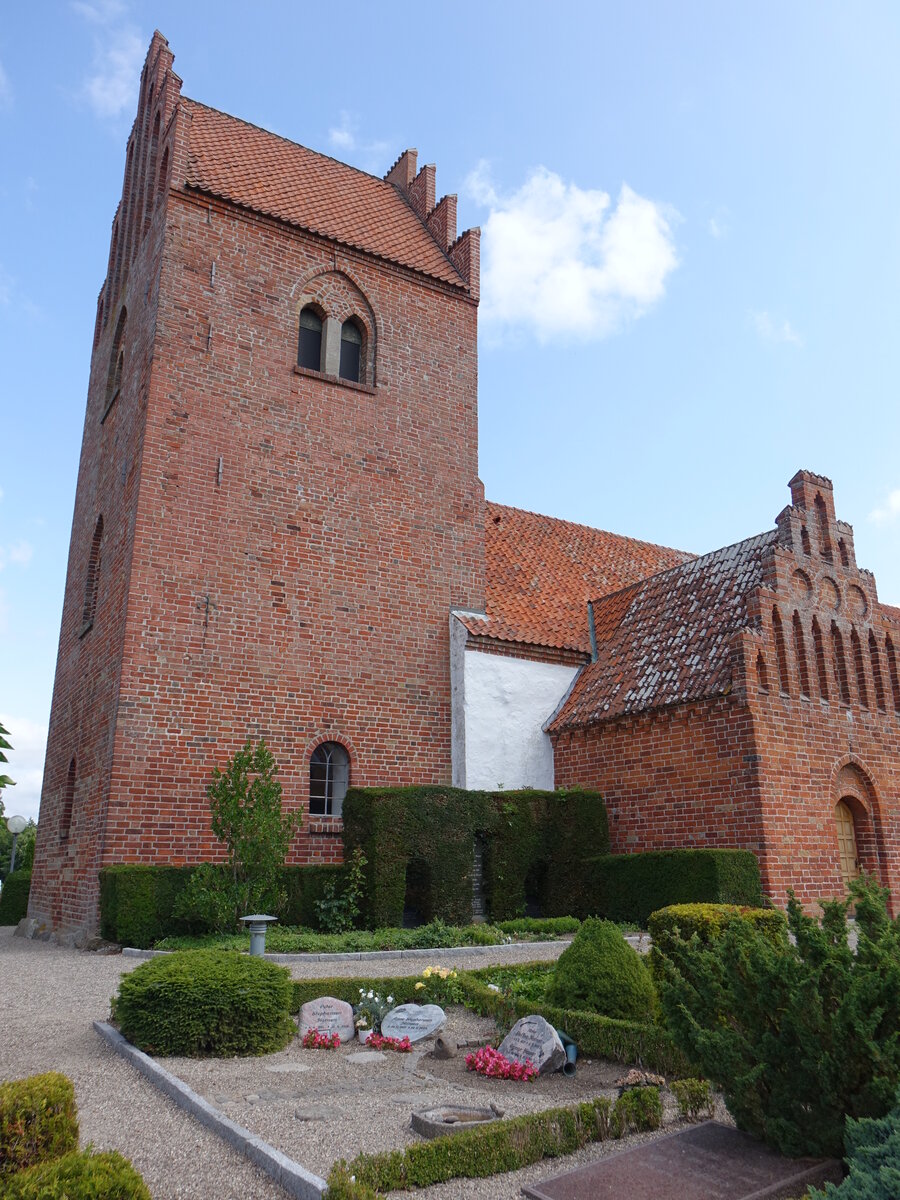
(499, 708)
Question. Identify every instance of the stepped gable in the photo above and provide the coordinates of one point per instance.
(892, 612)
(541, 572)
(667, 640)
(259, 170)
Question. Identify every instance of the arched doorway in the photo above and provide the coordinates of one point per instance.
(848, 849)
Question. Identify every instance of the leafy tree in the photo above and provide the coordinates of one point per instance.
(5, 780)
(245, 803)
(798, 1036)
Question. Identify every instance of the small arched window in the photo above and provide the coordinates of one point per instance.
(65, 816)
(92, 578)
(116, 363)
(780, 652)
(329, 778)
(840, 664)
(800, 655)
(821, 669)
(309, 347)
(351, 351)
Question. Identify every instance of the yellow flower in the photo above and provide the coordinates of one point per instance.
(426, 974)
(420, 984)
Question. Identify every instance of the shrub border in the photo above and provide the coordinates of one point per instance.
(294, 1178)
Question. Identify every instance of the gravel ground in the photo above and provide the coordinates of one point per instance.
(316, 1106)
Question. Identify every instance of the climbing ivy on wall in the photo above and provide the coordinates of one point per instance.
(424, 838)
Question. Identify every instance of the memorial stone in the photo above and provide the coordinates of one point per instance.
(328, 1015)
(535, 1039)
(415, 1021)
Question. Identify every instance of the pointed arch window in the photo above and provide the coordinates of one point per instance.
(877, 674)
(309, 348)
(68, 801)
(329, 778)
(840, 664)
(860, 668)
(351, 350)
(821, 668)
(92, 578)
(800, 655)
(780, 652)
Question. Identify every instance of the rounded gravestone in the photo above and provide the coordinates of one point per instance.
(535, 1039)
(328, 1015)
(415, 1021)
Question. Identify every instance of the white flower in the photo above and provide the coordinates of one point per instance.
(369, 995)
(390, 999)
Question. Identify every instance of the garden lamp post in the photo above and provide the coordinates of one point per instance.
(258, 923)
(15, 825)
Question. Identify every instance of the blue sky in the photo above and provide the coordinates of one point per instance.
(691, 280)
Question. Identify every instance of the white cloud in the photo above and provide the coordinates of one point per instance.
(101, 12)
(19, 552)
(888, 512)
(716, 230)
(111, 88)
(26, 764)
(342, 136)
(6, 91)
(773, 329)
(345, 141)
(561, 260)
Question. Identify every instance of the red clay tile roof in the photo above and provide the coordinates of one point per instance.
(666, 640)
(541, 572)
(891, 611)
(256, 169)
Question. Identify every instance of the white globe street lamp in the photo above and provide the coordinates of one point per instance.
(15, 825)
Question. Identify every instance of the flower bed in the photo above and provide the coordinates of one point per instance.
(313, 1040)
(490, 1062)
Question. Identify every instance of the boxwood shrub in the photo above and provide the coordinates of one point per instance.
(206, 1003)
(629, 887)
(14, 898)
(37, 1121)
(84, 1176)
(673, 926)
(497, 1147)
(601, 973)
(137, 901)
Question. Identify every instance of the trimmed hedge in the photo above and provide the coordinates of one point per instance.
(629, 887)
(597, 1036)
(14, 898)
(601, 973)
(498, 1147)
(206, 1003)
(422, 839)
(137, 901)
(84, 1176)
(38, 1121)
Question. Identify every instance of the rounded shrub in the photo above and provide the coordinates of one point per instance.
(75, 1176)
(601, 973)
(206, 1003)
(38, 1121)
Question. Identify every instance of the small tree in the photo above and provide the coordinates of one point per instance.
(5, 780)
(245, 803)
(798, 1036)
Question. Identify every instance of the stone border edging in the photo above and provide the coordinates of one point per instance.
(295, 1180)
(640, 941)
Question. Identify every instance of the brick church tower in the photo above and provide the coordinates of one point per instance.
(278, 502)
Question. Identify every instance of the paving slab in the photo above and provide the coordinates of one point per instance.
(707, 1162)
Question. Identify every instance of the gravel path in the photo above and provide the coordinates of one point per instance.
(50, 995)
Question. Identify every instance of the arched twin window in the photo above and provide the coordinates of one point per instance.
(315, 354)
(329, 778)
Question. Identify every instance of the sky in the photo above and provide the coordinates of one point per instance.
(691, 251)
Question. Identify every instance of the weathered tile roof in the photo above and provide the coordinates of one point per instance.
(541, 572)
(892, 612)
(259, 170)
(665, 640)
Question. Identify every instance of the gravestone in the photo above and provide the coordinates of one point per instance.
(708, 1162)
(415, 1021)
(328, 1015)
(534, 1038)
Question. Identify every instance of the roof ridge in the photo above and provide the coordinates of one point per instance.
(290, 141)
(698, 560)
(622, 537)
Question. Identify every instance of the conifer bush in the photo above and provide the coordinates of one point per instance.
(601, 973)
(37, 1121)
(206, 1003)
(79, 1176)
(873, 1158)
(797, 1036)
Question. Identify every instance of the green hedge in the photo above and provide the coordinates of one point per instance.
(709, 921)
(629, 887)
(37, 1122)
(14, 898)
(206, 1003)
(597, 1036)
(137, 902)
(84, 1176)
(424, 838)
(498, 1147)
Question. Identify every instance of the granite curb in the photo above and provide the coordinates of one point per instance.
(640, 942)
(295, 1180)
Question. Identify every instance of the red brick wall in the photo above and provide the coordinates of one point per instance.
(301, 592)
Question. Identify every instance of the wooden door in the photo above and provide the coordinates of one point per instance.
(846, 835)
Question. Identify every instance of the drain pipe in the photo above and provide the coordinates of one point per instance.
(592, 630)
(571, 1049)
